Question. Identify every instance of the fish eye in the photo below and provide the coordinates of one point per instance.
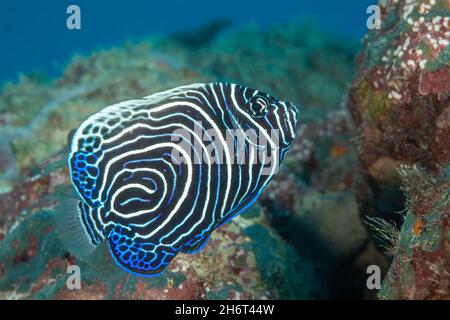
(258, 106)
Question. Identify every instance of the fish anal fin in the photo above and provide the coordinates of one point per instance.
(195, 245)
(144, 259)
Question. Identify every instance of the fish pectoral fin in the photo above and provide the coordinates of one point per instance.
(195, 245)
(73, 226)
(140, 258)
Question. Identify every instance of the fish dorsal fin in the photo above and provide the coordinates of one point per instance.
(167, 94)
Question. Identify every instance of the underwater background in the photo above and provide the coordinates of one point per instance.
(35, 39)
(366, 183)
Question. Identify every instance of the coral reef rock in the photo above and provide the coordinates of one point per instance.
(400, 103)
(244, 259)
(421, 265)
(400, 100)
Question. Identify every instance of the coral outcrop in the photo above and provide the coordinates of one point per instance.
(400, 103)
(400, 100)
(421, 265)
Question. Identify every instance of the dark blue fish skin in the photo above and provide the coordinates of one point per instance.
(150, 205)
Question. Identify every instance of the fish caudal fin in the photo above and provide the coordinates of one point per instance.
(70, 228)
(142, 259)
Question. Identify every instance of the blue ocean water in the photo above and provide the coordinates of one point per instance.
(34, 37)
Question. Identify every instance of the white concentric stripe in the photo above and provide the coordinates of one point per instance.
(147, 149)
(294, 115)
(139, 186)
(105, 112)
(226, 107)
(93, 224)
(250, 172)
(216, 99)
(206, 101)
(172, 93)
(208, 162)
(153, 128)
(289, 121)
(132, 106)
(111, 223)
(213, 124)
(208, 183)
(283, 136)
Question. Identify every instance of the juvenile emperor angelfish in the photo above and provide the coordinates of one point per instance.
(157, 175)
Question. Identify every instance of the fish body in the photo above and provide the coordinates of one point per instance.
(157, 175)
